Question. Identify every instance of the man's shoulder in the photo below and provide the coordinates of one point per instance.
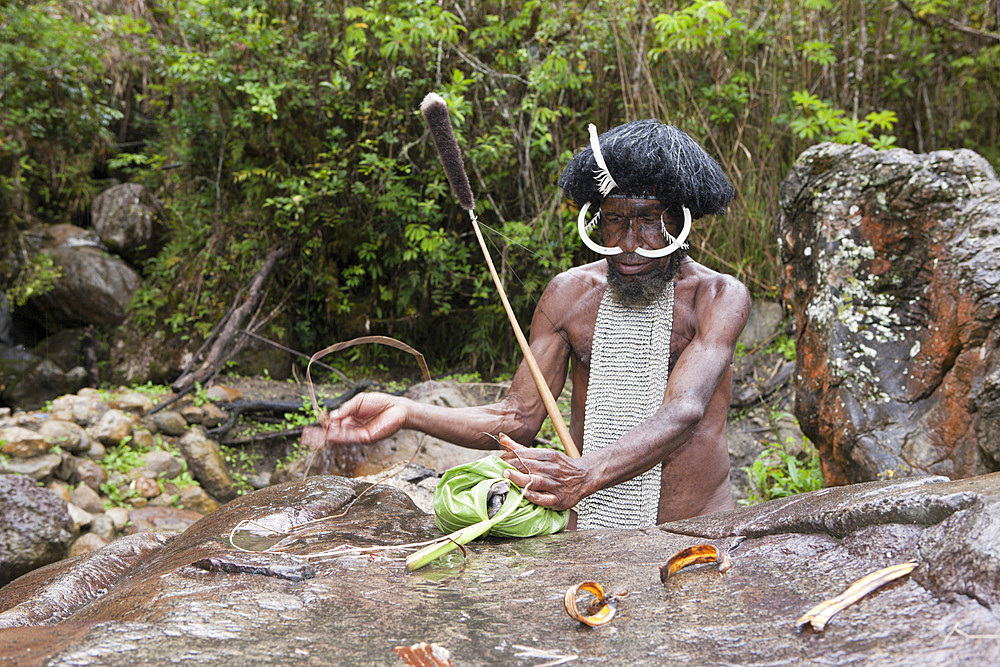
(579, 279)
(710, 281)
(712, 289)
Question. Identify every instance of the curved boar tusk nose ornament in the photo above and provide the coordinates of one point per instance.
(585, 227)
(678, 242)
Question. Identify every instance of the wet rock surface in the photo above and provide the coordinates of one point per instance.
(503, 603)
(35, 527)
(95, 288)
(891, 267)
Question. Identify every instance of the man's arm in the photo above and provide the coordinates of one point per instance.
(373, 416)
(560, 482)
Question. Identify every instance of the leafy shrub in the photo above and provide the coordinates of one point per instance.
(776, 473)
(262, 123)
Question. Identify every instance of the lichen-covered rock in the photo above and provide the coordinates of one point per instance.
(129, 219)
(35, 527)
(892, 266)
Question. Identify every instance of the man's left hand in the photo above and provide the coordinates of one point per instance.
(556, 480)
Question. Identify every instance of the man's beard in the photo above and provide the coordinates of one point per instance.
(640, 293)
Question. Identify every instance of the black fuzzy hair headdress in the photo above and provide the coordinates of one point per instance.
(648, 158)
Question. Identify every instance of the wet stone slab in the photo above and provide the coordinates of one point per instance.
(502, 603)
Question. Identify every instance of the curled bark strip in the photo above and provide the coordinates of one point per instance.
(424, 655)
(700, 553)
(599, 611)
(818, 616)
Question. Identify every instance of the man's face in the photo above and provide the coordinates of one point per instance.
(636, 223)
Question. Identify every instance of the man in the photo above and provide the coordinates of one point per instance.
(650, 335)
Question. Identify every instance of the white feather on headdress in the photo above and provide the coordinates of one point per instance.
(605, 183)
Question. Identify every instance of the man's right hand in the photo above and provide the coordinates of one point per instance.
(364, 419)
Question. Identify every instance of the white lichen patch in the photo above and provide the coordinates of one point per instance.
(859, 317)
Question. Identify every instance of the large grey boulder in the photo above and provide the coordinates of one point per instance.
(502, 603)
(95, 288)
(35, 526)
(129, 219)
(38, 383)
(892, 267)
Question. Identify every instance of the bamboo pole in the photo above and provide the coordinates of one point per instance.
(536, 373)
(435, 111)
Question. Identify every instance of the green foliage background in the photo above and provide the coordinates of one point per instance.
(269, 122)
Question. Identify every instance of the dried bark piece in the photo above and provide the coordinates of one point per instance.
(700, 553)
(818, 616)
(424, 655)
(600, 610)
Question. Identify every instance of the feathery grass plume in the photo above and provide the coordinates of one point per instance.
(435, 110)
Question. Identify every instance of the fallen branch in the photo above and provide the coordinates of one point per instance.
(231, 325)
(280, 408)
(751, 394)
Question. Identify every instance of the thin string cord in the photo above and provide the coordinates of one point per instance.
(538, 308)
